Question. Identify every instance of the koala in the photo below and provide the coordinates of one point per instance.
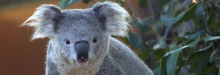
(81, 43)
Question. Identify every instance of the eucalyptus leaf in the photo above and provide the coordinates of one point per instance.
(193, 36)
(171, 21)
(172, 63)
(199, 67)
(189, 14)
(217, 61)
(133, 21)
(160, 45)
(213, 56)
(218, 10)
(211, 19)
(67, 3)
(198, 55)
(210, 71)
(203, 21)
(144, 24)
(210, 38)
(193, 44)
(144, 55)
(170, 12)
(135, 40)
(199, 10)
(162, 66)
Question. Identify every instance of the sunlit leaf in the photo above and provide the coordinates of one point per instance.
(67, 3)
(210, 38)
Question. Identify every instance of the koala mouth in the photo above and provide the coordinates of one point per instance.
(82, 63)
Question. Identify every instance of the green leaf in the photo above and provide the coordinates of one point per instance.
(159, 54)
(170, 12)
(144, 55)
(198, 67)
(210, 38)
(210, 71)
(161, 68)
(193, 44)
(135, 40)
(160, 45)
(172, 63)
(67, 3)
(160, 27)
(142, 3)
(196, 21)
(133, 21)
(193, 36)
(218, 10)
(156, 70)
(189, 14)
(213, 56)
(203, 21)
(217, 61)
(211, 17)
(199, 10)
(198, 55)
(144, 24)
(171, 21)
(85, 1)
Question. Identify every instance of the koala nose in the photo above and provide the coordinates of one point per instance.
(82, 48)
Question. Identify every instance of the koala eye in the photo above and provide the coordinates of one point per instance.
(94, 40)
(67, 42)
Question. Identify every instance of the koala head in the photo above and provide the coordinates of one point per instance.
(79, 36)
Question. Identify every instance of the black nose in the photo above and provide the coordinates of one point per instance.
(82, 48)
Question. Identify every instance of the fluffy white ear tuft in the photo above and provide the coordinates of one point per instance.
(44, 21)
(116, 19)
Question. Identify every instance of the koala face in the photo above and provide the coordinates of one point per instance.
(79, 37)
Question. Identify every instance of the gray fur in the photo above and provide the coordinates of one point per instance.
(107, 56)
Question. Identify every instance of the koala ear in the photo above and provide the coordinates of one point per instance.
(114, 17)
(44, 21)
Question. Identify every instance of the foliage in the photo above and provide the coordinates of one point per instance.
(174, 49)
